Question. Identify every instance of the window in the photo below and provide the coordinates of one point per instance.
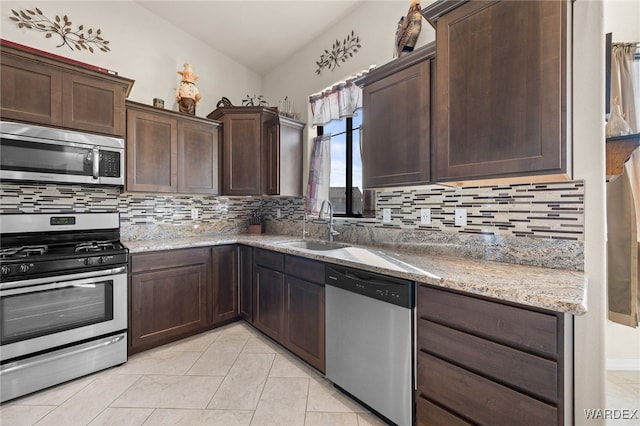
(345, 189)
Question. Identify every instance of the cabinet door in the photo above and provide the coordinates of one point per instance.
(270, 302)
(241, 170)
(93, 105)
(305, 321)
(224, 284)
(152, 152)
(31, 91)
(170, 303)
(272, 158)
(245, 281)
(288, 160)
(502, 90)
(396, 128)
(197, 158)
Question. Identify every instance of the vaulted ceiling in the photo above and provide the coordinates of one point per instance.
(259, 34)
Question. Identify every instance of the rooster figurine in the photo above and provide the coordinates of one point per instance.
(409, 28)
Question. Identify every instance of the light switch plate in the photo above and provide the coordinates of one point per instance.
(194, 214)
(278, 214)
(425, 216)
(386, 215)
(461, 217)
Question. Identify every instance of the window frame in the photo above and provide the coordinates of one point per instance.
(349, 170)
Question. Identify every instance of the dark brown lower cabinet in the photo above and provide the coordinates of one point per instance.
(305, 321)
(224, 284)
(270, 302)
(179, 293)
(168, 296)
(245, 282)
(486, 362)
(289, 303)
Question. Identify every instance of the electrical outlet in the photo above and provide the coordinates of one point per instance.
(425, 216)
(194, 214)
(461, 217)
(386, 215)
(278, 214)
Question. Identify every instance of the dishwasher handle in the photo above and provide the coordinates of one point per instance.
(393, 290)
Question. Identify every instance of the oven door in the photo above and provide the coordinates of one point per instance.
(46, 313)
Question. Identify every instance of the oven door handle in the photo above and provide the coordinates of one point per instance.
(20, 366)
(59, 281)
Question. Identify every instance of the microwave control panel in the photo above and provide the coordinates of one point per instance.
(110, 164)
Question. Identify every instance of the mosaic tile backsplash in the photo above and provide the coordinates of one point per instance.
(536, 224)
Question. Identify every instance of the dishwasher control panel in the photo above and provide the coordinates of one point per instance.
(393, 290)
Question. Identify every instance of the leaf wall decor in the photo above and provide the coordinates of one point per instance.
(340, 52)
(77, 39)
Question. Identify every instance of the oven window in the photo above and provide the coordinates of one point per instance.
(46, 158)
(38, 313)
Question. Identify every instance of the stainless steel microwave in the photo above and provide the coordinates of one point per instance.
(45, 154)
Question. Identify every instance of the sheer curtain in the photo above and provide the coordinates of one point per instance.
(319, 173)
(338, 101)
(623, 83)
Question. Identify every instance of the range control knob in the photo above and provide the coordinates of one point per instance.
(89, 261)
(24, 267)
(6, 270)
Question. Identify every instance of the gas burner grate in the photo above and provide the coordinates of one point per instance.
(23, 251)
(95, 246)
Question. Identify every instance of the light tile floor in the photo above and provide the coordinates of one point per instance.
(623, 393)
(229, 376)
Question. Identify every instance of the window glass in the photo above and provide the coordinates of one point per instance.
(345, 191)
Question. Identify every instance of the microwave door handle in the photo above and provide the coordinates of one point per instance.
(96, 163)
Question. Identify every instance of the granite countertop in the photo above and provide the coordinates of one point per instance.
(553, 289)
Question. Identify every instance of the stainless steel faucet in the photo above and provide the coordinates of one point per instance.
(305, 232)
(332, 232)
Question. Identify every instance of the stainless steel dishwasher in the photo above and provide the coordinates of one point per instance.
(369, 340)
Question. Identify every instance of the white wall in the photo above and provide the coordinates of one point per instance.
(589, 164)
(143, 47)
(622, 18)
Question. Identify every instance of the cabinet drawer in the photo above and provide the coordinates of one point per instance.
(478, 399)
(308, 270)
(168, 259)
(514, 326)
(519, 370)
(269, 259)
(429, 414)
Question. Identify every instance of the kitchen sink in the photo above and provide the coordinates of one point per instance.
(314, 245)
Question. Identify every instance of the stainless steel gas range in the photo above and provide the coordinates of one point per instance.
(63, 299)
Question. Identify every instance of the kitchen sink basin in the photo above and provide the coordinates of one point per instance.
(314, 245)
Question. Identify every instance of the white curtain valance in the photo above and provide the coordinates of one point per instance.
(340, 100)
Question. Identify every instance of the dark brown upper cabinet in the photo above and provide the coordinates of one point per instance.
(257, 144)
(396, 124)
(40, 89)
(171, 152)
(502, 89)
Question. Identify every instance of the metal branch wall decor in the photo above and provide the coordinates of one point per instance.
(340, 52)
(74, 39)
